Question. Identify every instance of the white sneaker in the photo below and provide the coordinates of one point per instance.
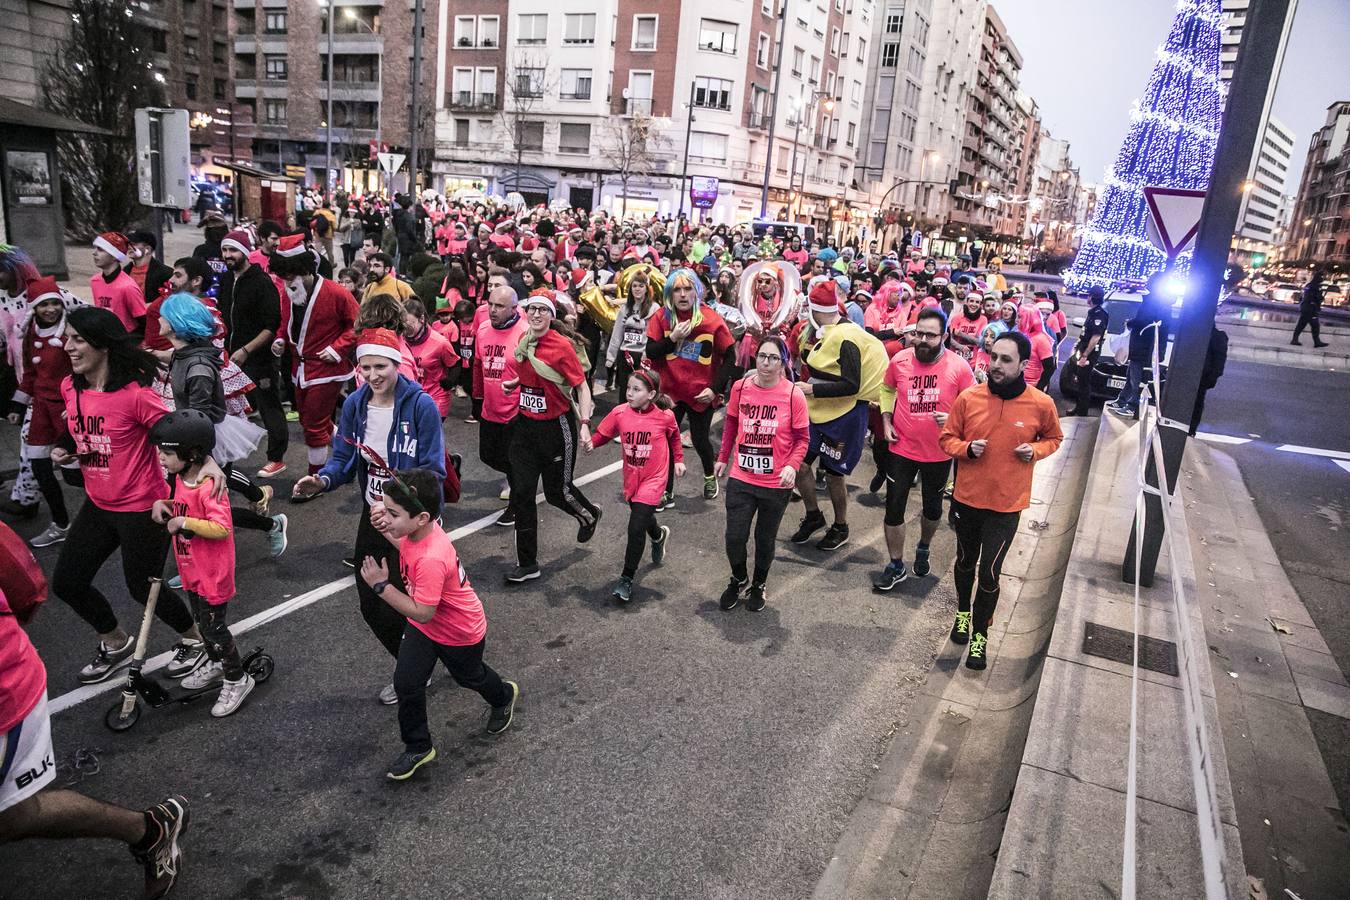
(205, 675)
(54, 534)
(232, 694)
(388, 696)
(506, 493)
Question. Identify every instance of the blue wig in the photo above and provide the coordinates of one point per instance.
(189, 317)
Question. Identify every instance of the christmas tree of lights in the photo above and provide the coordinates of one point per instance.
(1174, 131)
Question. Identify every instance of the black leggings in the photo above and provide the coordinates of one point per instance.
(982, 540)
(94, 535)
(266, 399)
(765, 506)
(900, 471)
(243, 517)
(384, 621)
(1309, 318)
(45, 473)
(417, 660)
(220, 645)
(547, 449)
(641, 525)
(700, 433)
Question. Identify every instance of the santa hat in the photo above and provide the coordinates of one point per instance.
(1045, 306)
(379, 342)
(542, 299)
(115, 245)
(907, 289)
(940, 282)
(240, 240)
(824, 297)
(291, 245)
(976, 296)
(505, 225)
(580, 277)
(43, 288)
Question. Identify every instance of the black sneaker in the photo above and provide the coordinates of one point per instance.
(754, 598)
(810, 524)
(507, 519)
(667, 502)
(408, 762)
(168, 820)
(975, 658)
(522, 574)
(890, 576)
(586, 532)
(500, 718)
(921, 566)
(623, 589)
(961, 628)
(835, 538)
(659, 547)
(731, 597)
(877, 481)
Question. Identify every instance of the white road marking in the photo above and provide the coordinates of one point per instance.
(1343, 464)
(1221, 438)
(1314, 451)
(155, 663)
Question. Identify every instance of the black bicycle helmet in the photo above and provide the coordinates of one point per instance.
(183, 431)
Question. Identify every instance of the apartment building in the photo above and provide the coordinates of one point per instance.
(281, 51)
(611, 104)
(1320, 230)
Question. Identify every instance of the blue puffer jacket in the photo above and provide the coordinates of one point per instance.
(415, 440)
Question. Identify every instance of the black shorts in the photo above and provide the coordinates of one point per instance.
(900, 473)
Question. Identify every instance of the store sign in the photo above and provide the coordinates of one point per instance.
(702, 192)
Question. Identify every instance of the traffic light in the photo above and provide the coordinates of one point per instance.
(1258, 260)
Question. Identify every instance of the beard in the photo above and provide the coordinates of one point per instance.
(926, 353)
(296, 291)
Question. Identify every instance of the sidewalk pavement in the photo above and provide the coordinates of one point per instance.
(930, 823)
(80, 259)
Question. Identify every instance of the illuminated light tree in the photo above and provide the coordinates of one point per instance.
(1174, 131)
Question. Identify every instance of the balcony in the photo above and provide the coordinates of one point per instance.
(362, 42)
(638, 106)
(245, 46)
(471, 100)
(527, 91)
(759, 121)
(468, 43)
(575, 95)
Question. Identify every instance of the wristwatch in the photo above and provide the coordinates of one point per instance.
(379, 586)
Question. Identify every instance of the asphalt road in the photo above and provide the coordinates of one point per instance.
(667, 749)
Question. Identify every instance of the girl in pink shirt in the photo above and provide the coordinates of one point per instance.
(650, 437)
(436, 359)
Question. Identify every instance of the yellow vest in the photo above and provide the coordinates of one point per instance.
(824, 357)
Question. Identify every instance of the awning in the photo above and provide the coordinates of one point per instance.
(14, 113)
(254, 171)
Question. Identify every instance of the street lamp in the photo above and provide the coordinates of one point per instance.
(327, 5)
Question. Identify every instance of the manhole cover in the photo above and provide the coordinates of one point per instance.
(1114, 644)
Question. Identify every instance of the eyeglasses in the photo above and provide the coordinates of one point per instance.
(927, 336)
(768, 358)
(531, 310)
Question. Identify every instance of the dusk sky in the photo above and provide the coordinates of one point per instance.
(1086, 61)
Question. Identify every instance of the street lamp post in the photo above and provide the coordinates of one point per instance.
(328, 125)
(688, 133)
(773, 108)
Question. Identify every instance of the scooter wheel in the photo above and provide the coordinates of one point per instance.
(261, 667)
(114, 719)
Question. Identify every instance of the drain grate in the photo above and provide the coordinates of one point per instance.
(1112, 643)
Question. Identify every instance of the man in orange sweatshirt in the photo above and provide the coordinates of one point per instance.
(996, 431)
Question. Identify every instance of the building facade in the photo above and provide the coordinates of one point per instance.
(1320, 227)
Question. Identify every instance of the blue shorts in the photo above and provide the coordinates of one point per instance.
(838, 443)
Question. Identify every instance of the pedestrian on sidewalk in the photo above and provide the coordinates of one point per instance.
(1149, 325)
(1310, 310)
(1089, 348)
(997, 430)
(1216, 357)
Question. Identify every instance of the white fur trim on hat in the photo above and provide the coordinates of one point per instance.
(541, 300)
(109, 249)
(379, 350)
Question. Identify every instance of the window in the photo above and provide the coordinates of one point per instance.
(274, 23)
(893, 22)
(639, 93)
(190, 88)
(890, 55)
(275, 111)
(843, 44)
(717, 36)
(574, 138)
(798, 60)
(781, 165)
(462, 87)
(530, 135)
(829, 83)
(856, 96)
(834, 42)
(159, 42)
(762, 51)
(712, 93)
(461, 137)
(190, 47)
(644, 32)
(911, 95)
(759, 103)
(529, 82)
(486, 93)
(275, 67)
(862, 50)
(218, 88)
(815, 70)
(852, 133)
(914, 66)
(575, 84)
(487, 30)
(707, 147)
(533, 28)
(579, 28)
(465, 27)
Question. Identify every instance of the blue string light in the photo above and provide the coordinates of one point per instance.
(1174, 130)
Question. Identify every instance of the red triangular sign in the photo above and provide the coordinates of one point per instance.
(1176, 217)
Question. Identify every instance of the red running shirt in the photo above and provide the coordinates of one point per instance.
(538, 397)
(112, 439)
(921, 390)
(649, 438)
(435, 577)
(766, 429)
(22, 675)
(496, 349)
(205, 564)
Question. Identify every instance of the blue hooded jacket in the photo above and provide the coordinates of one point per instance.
(415, 440)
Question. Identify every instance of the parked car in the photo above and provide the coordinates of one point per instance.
(1108, 376)
(1285, 292)
(1258, 286)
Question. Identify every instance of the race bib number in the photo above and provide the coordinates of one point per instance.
(634, 340)
(532, 399)
(755, 460)
(832, 449)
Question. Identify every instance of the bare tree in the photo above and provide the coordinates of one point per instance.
(527, 82)
(633, 147)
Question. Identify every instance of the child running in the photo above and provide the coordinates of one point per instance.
(203, 546)
(646, 427)
(445, 616)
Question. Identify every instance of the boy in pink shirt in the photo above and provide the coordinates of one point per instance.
(203, 546)
(113, 288)
(651, 438)
(445, 616)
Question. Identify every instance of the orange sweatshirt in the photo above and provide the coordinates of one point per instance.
(998, 480)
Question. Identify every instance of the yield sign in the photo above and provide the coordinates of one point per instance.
(391, 162)
(1175, 215)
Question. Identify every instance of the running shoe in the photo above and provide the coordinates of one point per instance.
(731, 597)
(167, 821)
(667, 502)
(232, 694)
(505, 492)
(408, 763)
(961, 627)
(755, 598)
(810, 524)
(710, 488)
(271, 470)
(890, 576)
(975, 658)
(106, 660)
(54, 534)
(521, 574)
(623, 589)
(500, 718)
(205, 675)
(175, 582)
(507, 519)
(1122, 411)
(187, 655)
(261, 507)
(659, 546)
(835, 538)
(586, 532)
(276, 538)
(470, 420)
(921, 563)
(877, 481)
(388, 696)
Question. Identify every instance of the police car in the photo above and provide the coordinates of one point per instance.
(1108, 373)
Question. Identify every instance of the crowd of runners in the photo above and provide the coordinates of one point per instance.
(174, 390)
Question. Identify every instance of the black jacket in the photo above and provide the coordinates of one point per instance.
(156, 277)
(194, 375)
(406, 231)
(249, 305)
